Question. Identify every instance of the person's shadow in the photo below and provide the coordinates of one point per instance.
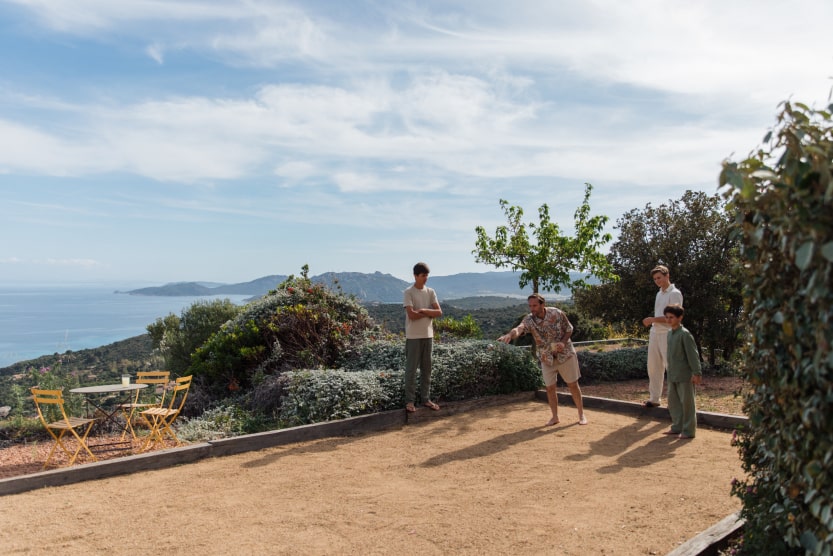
(491, 446)
(661, 448)
(620, 440)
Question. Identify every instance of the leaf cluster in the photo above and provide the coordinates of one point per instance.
(694, 237)
(782, 196)
(544, 255)
(177, 337)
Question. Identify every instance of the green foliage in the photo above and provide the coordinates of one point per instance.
(449, 327)
(493, 321)
(54, 377)
(783, 200)
(312, 396)
(472, 369)
(178, 337)
(218, 422)
(99, 365)
(616, 364)
(547, 262)
(695, 238)
(584, 328)
(19, 428)
(299, 325)
(383, 354)
(372, 379)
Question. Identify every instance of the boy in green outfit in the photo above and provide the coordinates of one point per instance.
(683, 373)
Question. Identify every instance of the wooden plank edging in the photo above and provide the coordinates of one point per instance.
(711, 541)
(705, 418)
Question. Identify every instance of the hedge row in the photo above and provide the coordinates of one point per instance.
(372, 379)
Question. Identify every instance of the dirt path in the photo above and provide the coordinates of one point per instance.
(490, 481)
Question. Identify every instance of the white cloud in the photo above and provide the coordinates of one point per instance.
(351, 182)
(345, 120)
(156, 52)
(296, 170)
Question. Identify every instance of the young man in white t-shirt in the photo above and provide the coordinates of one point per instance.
(421, 308)
(658, 339)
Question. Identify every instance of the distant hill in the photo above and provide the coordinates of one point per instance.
(376, 287)
(254, 288)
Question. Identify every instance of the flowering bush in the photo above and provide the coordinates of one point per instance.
(298, 325)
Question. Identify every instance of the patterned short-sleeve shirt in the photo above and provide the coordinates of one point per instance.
(554, 327)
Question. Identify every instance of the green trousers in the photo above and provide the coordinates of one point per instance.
(681, 407)
(418, 355)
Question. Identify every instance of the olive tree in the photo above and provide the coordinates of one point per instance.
(546, 258)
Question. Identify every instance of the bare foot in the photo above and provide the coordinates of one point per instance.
(431, 405)
(553, 421)
(410, 408)
(582, 420)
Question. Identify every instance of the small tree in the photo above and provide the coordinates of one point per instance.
(783, 197)
(546, 261)
(178, 337)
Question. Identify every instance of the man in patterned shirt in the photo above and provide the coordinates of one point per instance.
(551, 330)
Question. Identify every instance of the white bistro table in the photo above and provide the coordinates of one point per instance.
(96, 397)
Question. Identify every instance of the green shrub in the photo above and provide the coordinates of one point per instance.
(475, 368)
(616, 364)
(386, 353)
(176, 338)
(299, 325)
(447, 328)
(785, 217)
(374, 379)
(219, 422)
(18, 429)
(585, 328)
(312, 396)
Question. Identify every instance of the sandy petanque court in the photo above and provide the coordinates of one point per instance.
(489, 481)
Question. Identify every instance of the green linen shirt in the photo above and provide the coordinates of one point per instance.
(683, 357)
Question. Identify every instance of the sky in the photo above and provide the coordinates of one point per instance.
(225, 140)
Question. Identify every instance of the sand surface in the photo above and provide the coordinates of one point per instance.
(492, 480)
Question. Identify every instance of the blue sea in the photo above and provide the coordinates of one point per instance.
(42, 320)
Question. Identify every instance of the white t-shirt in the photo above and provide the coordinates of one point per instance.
(671, 296)
(419, 299)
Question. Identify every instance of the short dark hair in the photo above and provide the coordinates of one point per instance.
(539, 297)
(661, 268)
(421, 268)
(676, 310)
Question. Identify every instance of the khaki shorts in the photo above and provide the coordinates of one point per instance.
(568, 370)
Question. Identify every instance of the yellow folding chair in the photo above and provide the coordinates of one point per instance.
(156, 379)
(65, 423)
(160, 419)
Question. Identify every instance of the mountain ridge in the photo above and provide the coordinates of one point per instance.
(373, 287)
